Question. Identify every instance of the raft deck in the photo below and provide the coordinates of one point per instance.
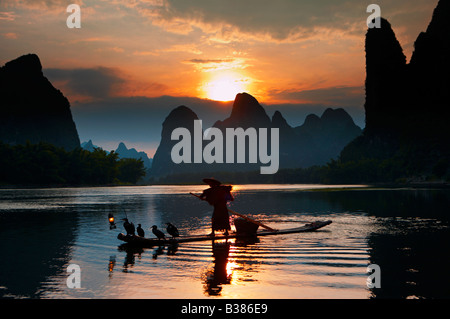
(151, 242)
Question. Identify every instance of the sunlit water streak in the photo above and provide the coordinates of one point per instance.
(42, 231)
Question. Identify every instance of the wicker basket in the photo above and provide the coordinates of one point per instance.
(243, 226)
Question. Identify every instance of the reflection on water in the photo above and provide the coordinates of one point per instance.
(404, 231)
(220, 273)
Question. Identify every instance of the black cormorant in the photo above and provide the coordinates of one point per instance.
(140, 231)
(129, 227)
(172, 230)
(158, 233)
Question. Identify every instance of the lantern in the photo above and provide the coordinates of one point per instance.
(112, 224)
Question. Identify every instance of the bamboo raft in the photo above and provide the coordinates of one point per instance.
(151, 242)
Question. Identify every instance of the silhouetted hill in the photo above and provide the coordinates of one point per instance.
(314, 143)
(246, 112)
(122, 151)
(125, 152)
(31, 109)
(162, 164)
(88, 146)
(327, 135)
(295, 149)
(407, 129)
(385, 69)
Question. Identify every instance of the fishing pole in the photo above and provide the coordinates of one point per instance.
(126, 215)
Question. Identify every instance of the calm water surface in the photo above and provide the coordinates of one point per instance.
(404, 231)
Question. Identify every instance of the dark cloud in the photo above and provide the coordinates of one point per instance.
(99, 82)
(40, 4)
(340, 95)
(281, 20)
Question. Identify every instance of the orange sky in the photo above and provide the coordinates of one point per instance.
(287, 51)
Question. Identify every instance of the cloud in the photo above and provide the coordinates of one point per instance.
(95, 83)
(93, 39)
(7, 16)
(204, 61)
(100, 83)
(186, 48)
(243, 20)
(145, 53)
(10, 35)
(111, 49)
(39, 4)
(210, 65)
(268, 20)
(339, 95)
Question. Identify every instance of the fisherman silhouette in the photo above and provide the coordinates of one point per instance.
(217, 196)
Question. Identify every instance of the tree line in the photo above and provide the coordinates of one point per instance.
(45, 164)
(395, 170)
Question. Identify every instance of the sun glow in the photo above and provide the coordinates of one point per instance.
(224, 87)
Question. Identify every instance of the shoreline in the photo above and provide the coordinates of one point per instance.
(415, 185)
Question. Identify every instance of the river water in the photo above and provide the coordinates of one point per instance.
(403, 231)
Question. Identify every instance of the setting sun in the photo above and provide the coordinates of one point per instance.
(224, 87)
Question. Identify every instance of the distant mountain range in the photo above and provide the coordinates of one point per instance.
(315, 142)
(31, 109)
(89, 146)
(123, 152)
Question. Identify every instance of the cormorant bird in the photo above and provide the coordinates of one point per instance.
(172, 230)
(140, 231)
(158, 233)
(129, 227)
